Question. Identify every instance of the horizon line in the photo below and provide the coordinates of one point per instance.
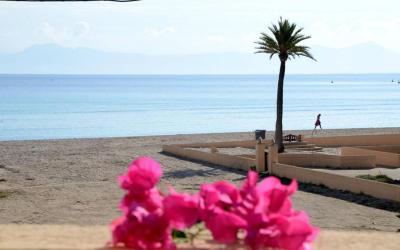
(194, 74)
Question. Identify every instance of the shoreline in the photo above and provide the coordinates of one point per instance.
(74, 181)
(324, 132)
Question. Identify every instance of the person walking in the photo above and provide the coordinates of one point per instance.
(317, 123)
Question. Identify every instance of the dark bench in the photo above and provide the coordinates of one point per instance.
(291, 138)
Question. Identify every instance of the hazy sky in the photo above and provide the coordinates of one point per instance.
(194, 26)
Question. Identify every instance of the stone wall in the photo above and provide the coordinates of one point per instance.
(340, 182)
(387, 159)
(238, 162)
(355, 140)
(351, 161)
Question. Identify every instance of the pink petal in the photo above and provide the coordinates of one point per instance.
(143, 174)
(152, 231)
(151, 200)
(228, 192)
(269, 183)
(275, 196)
(294, 232)
(181, 209)
(224, 226)
(220, 192)
(118, 234)
(250, 182)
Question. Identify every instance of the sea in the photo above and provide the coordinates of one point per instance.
(90, 106)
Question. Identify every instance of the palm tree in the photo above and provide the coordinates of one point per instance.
(284, 43)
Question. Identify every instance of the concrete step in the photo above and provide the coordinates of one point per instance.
(295, 143)
(307, 149)
(300, 146)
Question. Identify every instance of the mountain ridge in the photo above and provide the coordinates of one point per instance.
(55, 59)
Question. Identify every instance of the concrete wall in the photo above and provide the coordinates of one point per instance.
(355, 140)
(351, 161)
(215, 158)
(334, 181)
(356, 185)
(247, 156)
(356, 161)
(225, 144)
(385, 148)
(310, 160)
(386, 159)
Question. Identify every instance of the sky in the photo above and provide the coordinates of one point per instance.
(194, 26)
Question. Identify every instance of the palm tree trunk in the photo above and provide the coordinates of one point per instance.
(279, 108)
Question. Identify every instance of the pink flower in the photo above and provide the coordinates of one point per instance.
(283, 232)
(143, 174)
(149, 217)
(250, 194)
(263, 211)
(274, 197)
(273, 222)
(118, 235)
(181, 209)
(224, 225)
(218, 205)
(151, 200)
(221, 194)
(250, 183)
(144, 224)
(142, 230)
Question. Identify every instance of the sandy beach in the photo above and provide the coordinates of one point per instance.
(73, 181)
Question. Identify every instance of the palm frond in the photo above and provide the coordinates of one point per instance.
(301, 51)
(284, 40)
(267, 45)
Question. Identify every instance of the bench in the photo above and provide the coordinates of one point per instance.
(292, 138)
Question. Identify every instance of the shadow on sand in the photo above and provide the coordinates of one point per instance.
(211, 169)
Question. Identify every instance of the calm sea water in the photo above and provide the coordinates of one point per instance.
(52, 107)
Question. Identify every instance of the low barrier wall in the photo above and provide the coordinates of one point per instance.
(284, 169)
(352, 161)
(215, 158)
(253, 156)
(309, 160)
(334, 181)
(355, 140)
(357, 161)
(386, 159)
(225, 144)
(395, 149)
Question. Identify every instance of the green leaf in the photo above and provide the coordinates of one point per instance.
(177, 234)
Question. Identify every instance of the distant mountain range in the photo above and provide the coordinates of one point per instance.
(54, 59)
